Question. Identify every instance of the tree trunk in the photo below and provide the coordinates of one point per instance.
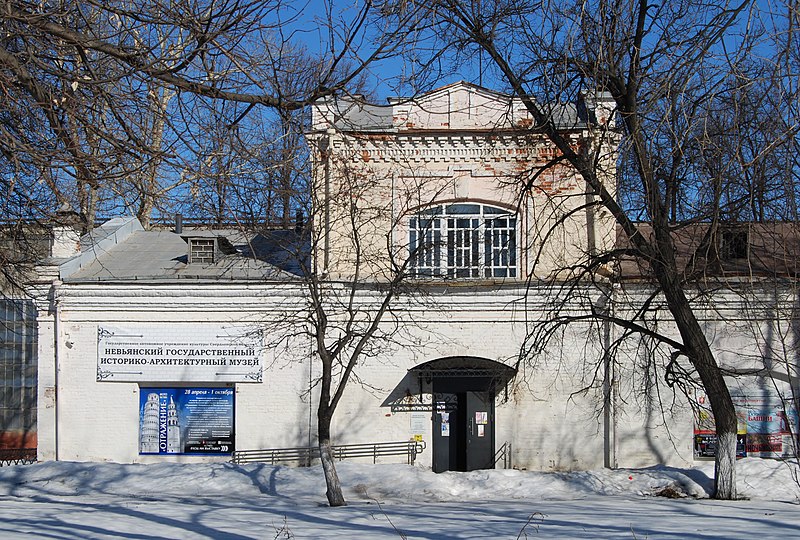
(334, 487)
(726, 424)
(145, 211)
(725, 465)
(701, 357)
(148, 187)
(88, 204)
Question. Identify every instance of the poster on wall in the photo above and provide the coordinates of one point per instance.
(179, 353)
(186, 421)
(768, 427)
(420, 423)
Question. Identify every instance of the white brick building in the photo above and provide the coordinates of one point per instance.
(204, 319)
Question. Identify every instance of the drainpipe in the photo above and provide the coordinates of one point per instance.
(56, 364)
(591, 232)
(608, 428)
(395, 221)
(310, 394)
(609, 388)
(324, 148)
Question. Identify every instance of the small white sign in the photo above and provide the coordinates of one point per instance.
(179, 353)
(420, 422)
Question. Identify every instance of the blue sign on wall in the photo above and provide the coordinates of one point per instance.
(186, 420)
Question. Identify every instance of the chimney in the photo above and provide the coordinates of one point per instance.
(597, 107)
(178, 224)
(298, 222)
(65, 243)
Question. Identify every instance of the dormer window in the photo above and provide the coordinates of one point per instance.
(733, 244)
(463, 240)
(207, 247)
(202, 250)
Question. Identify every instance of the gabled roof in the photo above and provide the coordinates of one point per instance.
(458, 86)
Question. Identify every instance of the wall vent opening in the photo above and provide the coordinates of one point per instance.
(202, 250)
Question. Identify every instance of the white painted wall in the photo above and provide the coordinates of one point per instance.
(549, 422)
(98, 420)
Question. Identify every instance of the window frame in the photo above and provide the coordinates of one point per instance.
(734, 244)
(199, 252)
(464, 240)
(18, 365)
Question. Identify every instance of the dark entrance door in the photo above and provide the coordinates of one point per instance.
(479, 430)
(463, 389)
(463, 425)
(447, 430)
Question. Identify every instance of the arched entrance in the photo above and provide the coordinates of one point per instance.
(463, 390)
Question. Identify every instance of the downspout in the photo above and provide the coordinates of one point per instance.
(394, 223)
(614, 387)
(591, 233)
(56, 364)
(324, 147)
(310, 394)
(591, 150)
(609, 388)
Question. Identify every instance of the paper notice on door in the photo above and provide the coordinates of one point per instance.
(445, 430)
(481, 417)
(481, 430)
(445, 417)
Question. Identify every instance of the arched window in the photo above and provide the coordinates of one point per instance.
(463, 240)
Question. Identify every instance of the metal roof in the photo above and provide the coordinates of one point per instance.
(465, 366)
(163, 256)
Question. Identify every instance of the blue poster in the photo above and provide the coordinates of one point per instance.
(186, 421)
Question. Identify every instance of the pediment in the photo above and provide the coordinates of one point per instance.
(457, 106)
(459, 88)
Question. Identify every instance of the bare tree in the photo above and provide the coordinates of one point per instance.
(109, 85)
(667, 69)
(254, 170)
(353, 274)
(105, 103)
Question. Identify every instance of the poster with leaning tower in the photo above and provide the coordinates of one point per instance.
(186, 420)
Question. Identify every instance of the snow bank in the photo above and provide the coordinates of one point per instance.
(758, 479)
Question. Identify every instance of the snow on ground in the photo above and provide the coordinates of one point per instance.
(61, 500)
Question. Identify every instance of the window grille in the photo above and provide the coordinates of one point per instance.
(202, 250)
(463, 241)
(18, 368)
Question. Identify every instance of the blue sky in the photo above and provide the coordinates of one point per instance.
(305, 23)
